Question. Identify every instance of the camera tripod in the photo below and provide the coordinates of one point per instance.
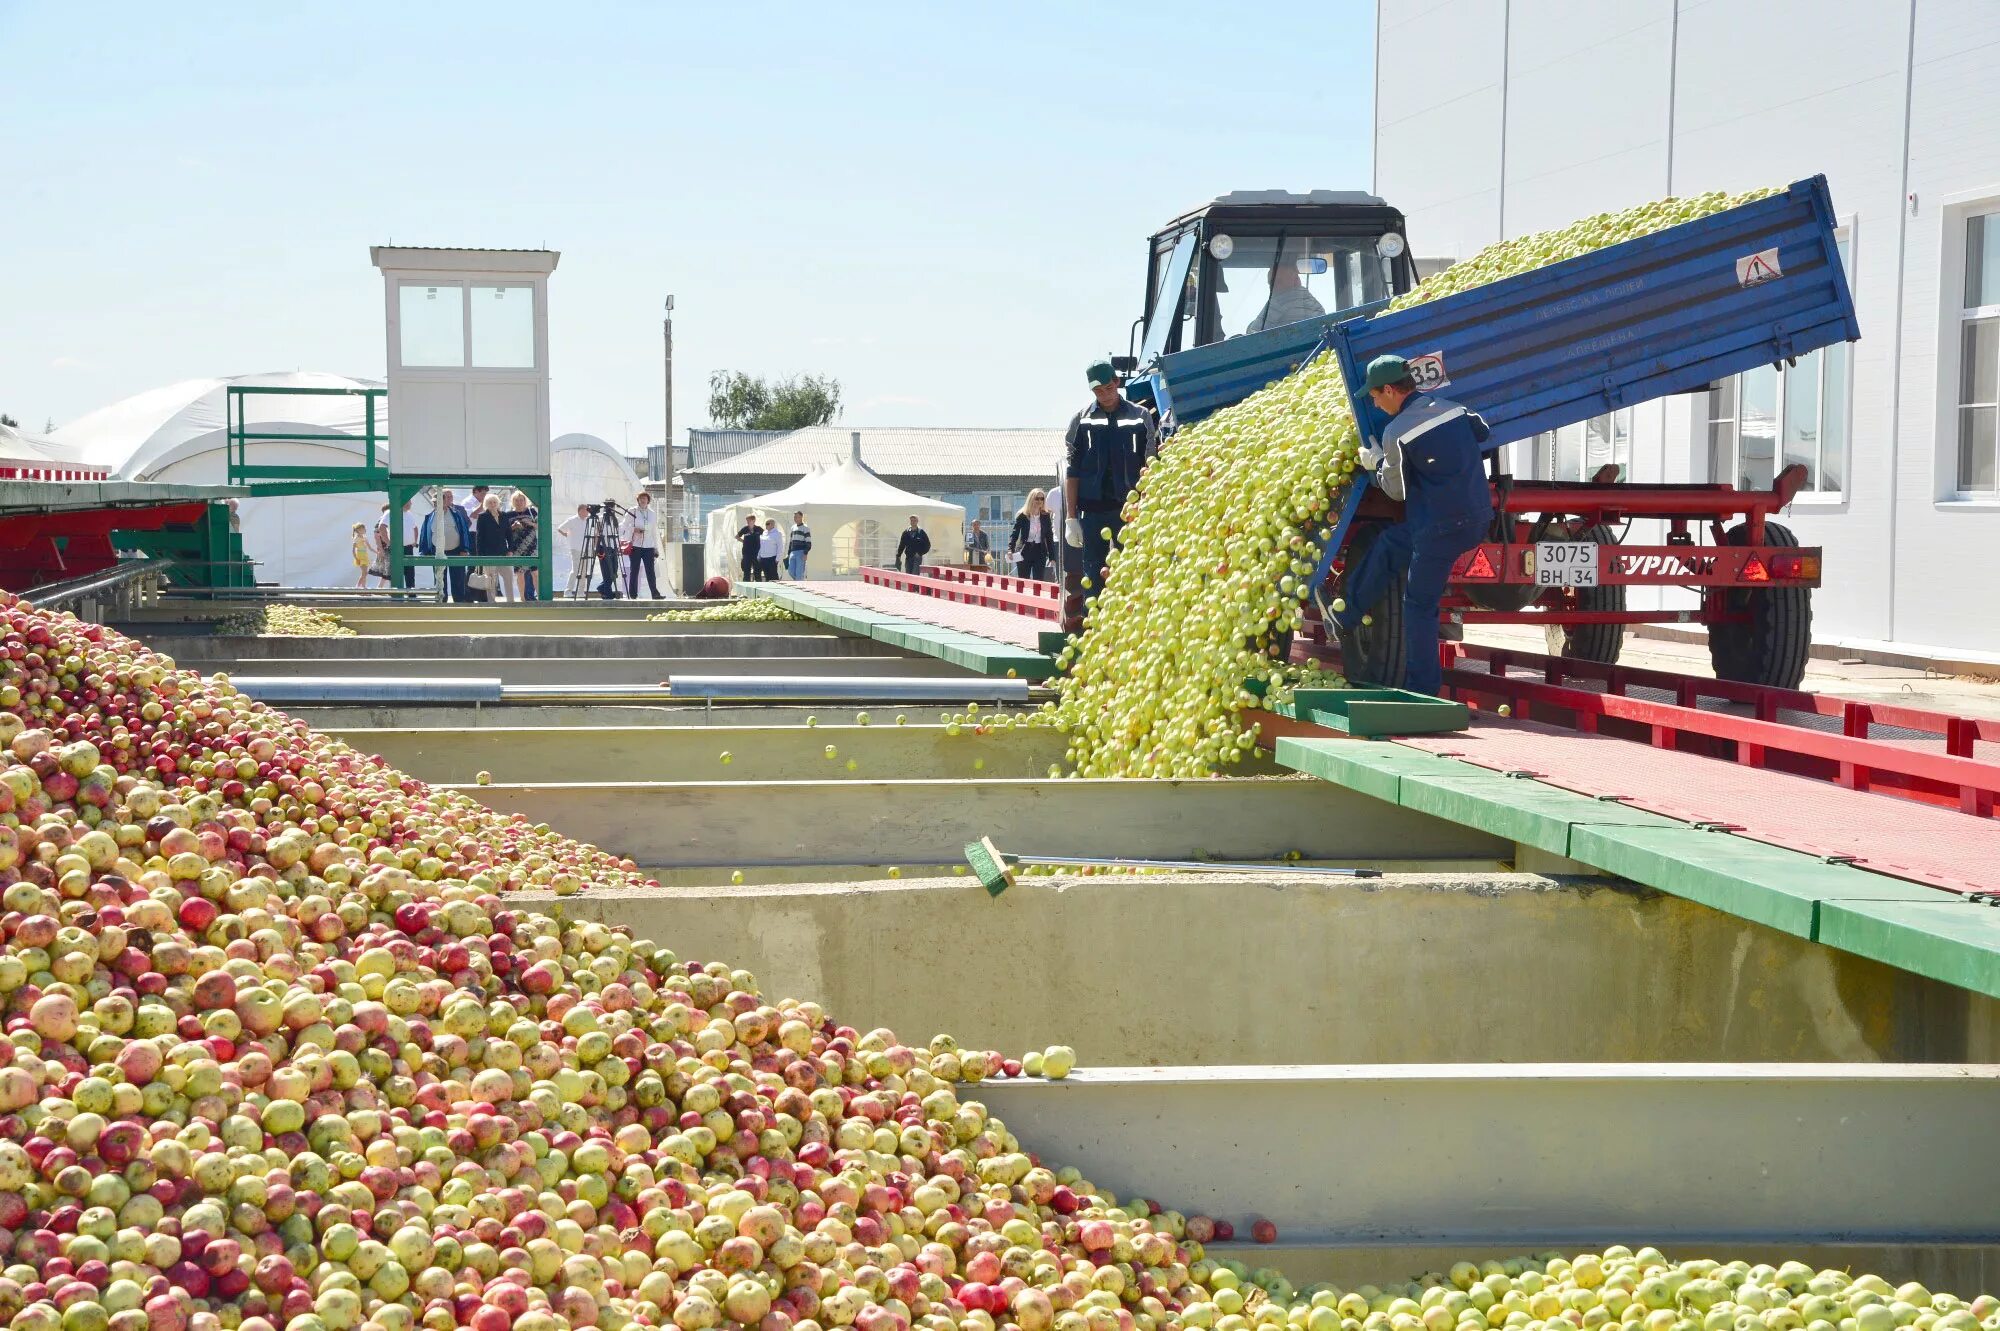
(600, 540)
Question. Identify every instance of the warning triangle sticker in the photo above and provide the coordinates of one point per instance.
(1759, 267)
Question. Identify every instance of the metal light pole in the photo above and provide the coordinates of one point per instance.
(667, 434)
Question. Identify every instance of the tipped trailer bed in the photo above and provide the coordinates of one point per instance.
(1672, 312)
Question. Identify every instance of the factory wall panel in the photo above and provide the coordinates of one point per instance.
(1587, 108)
(1604, 106)
(1828, 100)
(1437, 121)
(1945, 587)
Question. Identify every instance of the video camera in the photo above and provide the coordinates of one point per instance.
(610, 508)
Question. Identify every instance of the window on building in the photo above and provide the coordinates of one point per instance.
(430, 322)
(503, 327)
(1979, 357)
(1766, 419)
(1575, 452)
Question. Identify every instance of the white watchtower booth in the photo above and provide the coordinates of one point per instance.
(468, 356)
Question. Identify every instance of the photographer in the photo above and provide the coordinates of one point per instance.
(610, 518)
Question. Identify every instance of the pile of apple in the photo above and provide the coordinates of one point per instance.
(1222, 536)
(279, 1054)
(754, 610)
(285, 621)
(285, 1052)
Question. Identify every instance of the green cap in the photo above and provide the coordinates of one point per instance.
(1386, 370)
(1100, 373)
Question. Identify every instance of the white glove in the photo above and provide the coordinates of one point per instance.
(1369, 458)
(1073, 532)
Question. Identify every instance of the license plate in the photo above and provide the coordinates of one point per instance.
(1566, 563)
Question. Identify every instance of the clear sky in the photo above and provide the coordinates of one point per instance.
(943, 206)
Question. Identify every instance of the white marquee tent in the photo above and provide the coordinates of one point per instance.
(178, 434)
(856, 519)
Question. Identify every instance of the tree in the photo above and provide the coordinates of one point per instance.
(739, 401)
(9, 421)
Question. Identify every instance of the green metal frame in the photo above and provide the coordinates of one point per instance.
(207, 554)
(373, 475)
(269, 479)
(402, 489)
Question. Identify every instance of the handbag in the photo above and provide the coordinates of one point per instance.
(479, 580)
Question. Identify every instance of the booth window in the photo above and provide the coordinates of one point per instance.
(431, 324)
(503, 327)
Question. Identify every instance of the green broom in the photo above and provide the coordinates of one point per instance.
(996, 874)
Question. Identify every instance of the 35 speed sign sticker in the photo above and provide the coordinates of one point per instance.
(1428, 371)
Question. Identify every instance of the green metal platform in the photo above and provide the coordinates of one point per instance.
(1928, 931)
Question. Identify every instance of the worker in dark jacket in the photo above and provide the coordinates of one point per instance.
(1108, 445)
(911, 548)
(1430, 458)
(750, 537)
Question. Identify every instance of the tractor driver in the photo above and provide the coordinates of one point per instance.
(1430, 458)
(1107, 447)
(1290, 302)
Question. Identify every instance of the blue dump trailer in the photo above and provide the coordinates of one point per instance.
(1673, 312)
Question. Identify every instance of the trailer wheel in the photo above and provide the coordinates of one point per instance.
(1592, 642)
(1772, 645)
(1373, 653)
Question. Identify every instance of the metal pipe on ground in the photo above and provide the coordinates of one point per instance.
(280, 689)
(798, 688)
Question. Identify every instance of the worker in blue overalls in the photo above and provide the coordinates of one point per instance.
(1106, 448)
(1429, 457)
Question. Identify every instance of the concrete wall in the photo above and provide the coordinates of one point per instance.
(1229, 970)
(1485, 1154)
(682, 824)
(756, 753)
(1500, 117)
(712, 641)
(555, 716)
(640, 671)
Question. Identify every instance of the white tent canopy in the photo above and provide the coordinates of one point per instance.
(856, 519)
(178, 433)
(22, 453)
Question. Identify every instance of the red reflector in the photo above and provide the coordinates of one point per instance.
(1785, 566)
(1754, 570)
(1480, 567)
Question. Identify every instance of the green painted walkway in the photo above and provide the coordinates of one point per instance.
(1927, 931)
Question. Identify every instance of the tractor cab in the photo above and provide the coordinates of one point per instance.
(1260, 274)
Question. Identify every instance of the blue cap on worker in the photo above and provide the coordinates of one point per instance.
(1100, 373)
(1386, 370)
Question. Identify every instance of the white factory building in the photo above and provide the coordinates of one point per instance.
(1495, 118)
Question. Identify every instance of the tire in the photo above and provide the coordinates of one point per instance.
(1772, 646)
(1593, 642)
(1373, 653)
